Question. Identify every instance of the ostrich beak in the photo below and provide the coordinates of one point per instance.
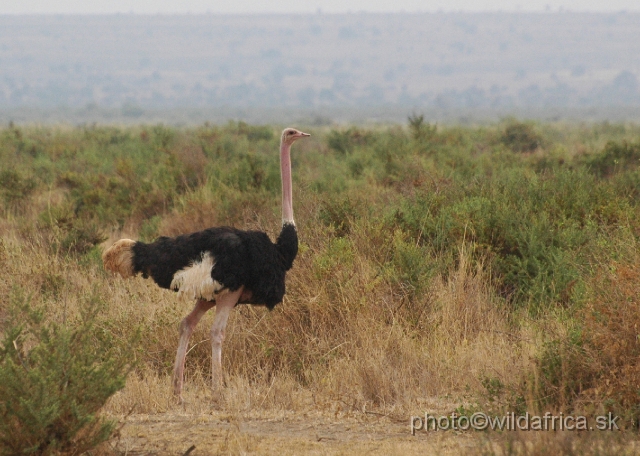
(304, 135)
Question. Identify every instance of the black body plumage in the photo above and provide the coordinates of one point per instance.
(287, 244)
(242, 258)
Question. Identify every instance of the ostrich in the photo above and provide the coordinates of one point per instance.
(219, 267)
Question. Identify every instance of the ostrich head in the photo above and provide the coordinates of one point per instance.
(290, 135)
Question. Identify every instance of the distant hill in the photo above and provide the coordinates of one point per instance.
(131, 65)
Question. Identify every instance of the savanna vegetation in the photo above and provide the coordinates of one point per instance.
(496, 268)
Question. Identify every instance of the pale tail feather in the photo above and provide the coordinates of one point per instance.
(119, 258)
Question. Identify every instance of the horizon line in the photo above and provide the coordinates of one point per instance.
(323, 13)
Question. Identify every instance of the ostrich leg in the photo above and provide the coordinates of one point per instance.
(186, 329)
(224, 304)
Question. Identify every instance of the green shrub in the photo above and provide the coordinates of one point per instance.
(615, 158)
(54, 379)
(345, 141)
(520, 137)
(563, 370)
(255, 132)
(14, 187)
(69, 233)
(339, 254)
(163, 136)
(419, 130)
(410, 265)
(338, 213)
(391, 151)
(252, 171)
(536, 232)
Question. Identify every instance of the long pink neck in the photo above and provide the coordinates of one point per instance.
(285, 173)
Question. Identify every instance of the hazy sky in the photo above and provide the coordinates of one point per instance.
(304, 6)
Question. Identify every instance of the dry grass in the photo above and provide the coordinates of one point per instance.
(562, 443)
(338, 341)
(612, 319)
(348, 347)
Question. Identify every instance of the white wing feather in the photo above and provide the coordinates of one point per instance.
(195, 281)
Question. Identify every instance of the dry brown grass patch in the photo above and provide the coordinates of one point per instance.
(560, 443)
(612, 332)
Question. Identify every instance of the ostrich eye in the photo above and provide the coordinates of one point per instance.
(290, 132)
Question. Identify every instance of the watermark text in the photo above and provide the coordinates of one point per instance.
(480, 421)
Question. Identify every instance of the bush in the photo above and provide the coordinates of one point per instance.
(520, 137)
(420, 130)
(597, 361)
(15, 188)
(562, 365)
(338, 213)
(345, 141)
(615, 158)
(612, 324)
(54, 379)
(69, 233)
(254, 132)
(535, 232)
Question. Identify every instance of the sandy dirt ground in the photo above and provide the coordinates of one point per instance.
(281, 434)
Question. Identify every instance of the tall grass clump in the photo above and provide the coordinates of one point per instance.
(54, 380)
